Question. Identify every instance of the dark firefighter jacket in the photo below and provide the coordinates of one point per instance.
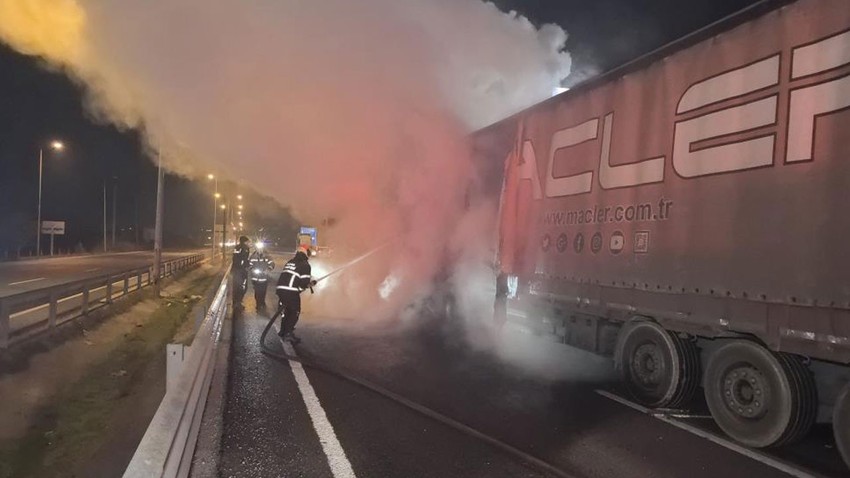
(296, 274)
(261, 265)
(240, 256)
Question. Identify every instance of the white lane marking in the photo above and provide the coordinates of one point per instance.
(517, 313)
(123, 253)
(26, 281)
(770, 461)
(92, 269)
(340, 466)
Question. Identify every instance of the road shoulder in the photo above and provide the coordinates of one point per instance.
(84, 405)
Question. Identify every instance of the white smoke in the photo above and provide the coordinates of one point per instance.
(356, 110)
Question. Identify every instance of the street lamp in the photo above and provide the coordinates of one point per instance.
(216, 195)
(114, 210)
(55, 146)
(160, 212)
(223, 208)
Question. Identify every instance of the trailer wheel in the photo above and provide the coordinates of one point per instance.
(758, 397)
(659, 368)
(841, 424)
(807, 398)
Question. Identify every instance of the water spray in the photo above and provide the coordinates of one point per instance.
(352, 262)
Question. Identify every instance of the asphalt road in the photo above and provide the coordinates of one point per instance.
(20, 276)
(533, 394)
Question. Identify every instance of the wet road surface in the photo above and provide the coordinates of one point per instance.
(268, 432)
(529, 392)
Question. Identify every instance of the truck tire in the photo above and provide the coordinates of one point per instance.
(758, 397)
(841, 424)
(659, 368)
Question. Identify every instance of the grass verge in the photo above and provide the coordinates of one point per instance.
(74, 424)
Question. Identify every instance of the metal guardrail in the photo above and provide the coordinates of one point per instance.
(167, 448)
(31, 312)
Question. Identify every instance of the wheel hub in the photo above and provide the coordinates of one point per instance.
(746, 392)
(647, 365)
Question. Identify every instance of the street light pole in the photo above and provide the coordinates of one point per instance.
(223, 208)
(157, 244)
(215, 214)
(104, 216)
(56, 146)
(38, 221)
(114, 208)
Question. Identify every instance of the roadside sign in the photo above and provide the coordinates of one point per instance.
(53, 227)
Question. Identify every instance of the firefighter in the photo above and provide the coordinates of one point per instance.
(294, 280)
(261, 265)
(239, 270)
(500, 306)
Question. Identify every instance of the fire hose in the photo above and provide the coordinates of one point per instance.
(434, 415)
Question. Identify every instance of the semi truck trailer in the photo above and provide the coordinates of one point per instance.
(688, 214)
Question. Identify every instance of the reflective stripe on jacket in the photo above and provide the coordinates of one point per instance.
(296, 275)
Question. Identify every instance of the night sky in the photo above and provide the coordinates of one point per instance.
(37, 105)
(604, 34)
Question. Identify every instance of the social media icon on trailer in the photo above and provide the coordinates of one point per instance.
(596, 243)
(642, 241)
(546, 242)
(578, 243)
(617, 242)
(562, 243)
